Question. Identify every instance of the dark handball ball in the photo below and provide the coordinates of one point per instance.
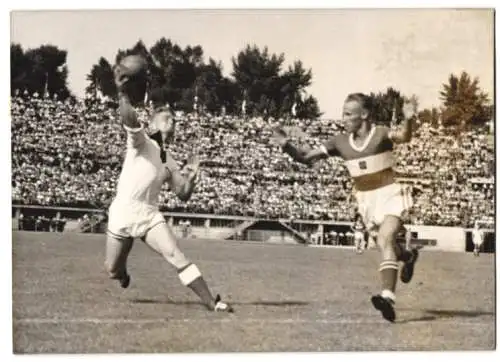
(135, 67)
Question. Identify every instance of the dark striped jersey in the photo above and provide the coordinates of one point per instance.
(371, 164)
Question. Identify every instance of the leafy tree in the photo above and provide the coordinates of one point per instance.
(387, 106)
(464, 103)
(180, 77)
(429, 116)
(101, 79)
(267, 89)
(19, 70)
(42, 70)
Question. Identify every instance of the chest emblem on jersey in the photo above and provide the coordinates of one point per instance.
(362, 165)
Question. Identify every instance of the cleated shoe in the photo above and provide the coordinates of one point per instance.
(385, 306)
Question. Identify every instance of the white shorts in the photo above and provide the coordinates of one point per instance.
(132, 220)
(359, 235)
(375, 205)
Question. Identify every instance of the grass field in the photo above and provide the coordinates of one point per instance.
(287, 298)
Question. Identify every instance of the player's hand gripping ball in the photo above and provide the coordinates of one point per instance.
(133, 66)
(131, 77)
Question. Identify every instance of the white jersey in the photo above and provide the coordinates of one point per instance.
(143, 172)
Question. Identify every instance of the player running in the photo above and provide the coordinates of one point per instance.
(134, 212)
(358, 227)
(367, 152)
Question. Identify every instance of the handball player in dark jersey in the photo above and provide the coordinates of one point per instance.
(367, 150)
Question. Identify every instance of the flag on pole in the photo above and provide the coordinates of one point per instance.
(393, 116)
(244, 103)
(146, 94)
(195, 99)
(98, 94)
(46, 90)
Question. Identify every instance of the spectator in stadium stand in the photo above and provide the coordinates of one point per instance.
(57, 223)
(68, 153)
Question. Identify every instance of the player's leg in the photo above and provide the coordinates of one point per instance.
(391, 203)
(117, 250)
(388, 267)
(397, 202)
(403, 254)
(162, 240)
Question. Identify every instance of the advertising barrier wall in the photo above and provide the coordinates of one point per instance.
(439, 237)
(240, 227)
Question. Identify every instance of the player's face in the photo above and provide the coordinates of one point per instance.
(164, 123)
(353, 115)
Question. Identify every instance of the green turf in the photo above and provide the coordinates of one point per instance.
(287, 298)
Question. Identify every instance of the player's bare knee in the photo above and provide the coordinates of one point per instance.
(384, 240)
(168, 254)
(176, 258)
(387, 235)
(386, 244)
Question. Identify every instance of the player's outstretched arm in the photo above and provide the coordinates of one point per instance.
(128, 115)
(183, 182)
(403, 133)
(299, 154)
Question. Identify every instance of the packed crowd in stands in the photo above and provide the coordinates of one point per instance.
(67, 153)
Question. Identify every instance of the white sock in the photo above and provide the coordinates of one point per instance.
(386, 293)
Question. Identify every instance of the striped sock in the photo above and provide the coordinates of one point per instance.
(389, 274)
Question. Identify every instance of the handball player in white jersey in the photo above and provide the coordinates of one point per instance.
(134, 212)
(367, 153)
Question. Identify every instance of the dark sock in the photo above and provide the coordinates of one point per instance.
(191, 277)
(389, 275)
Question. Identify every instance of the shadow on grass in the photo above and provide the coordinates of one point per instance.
(268, 303)
(437, 314)
(444, 313)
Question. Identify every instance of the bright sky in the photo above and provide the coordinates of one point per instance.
(357, 50)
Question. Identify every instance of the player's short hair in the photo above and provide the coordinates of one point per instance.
(364, 100)
(164, 109)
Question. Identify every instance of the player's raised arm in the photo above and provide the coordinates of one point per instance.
(299, 154)
(128, 116)
(403, 133)
(182, 185)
